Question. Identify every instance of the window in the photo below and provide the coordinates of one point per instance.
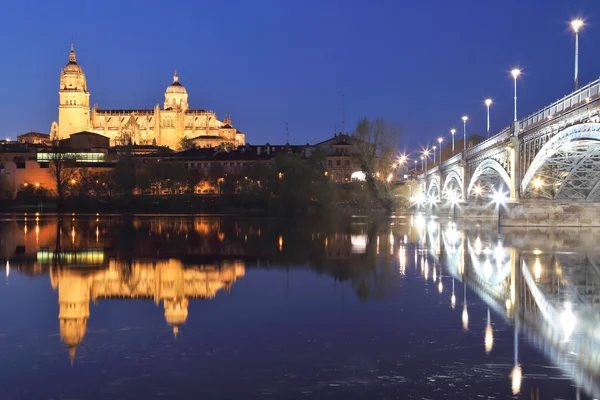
(346, 162)
(329, 162)
(338, 162)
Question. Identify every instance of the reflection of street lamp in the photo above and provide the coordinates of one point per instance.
(516, 373)
(488, 103)
(465, 119)
(576, 24)
(452, 131)
(453, 297)
(440, 140)
(489, 334)
(465, 314)
(515, 74)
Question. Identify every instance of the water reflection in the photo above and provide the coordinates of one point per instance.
(545, 285)
(165, 281)
(549, 292)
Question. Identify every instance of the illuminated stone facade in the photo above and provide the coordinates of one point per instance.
(165, 127)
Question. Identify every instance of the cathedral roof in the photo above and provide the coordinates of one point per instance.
(176, 87)
(72, 65)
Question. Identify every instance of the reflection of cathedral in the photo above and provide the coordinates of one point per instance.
(165, 127)
(167, 280)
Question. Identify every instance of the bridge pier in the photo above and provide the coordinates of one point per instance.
(515, 165)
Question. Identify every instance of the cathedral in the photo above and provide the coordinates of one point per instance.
(169, 126)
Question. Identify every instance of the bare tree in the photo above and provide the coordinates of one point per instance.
(61, 166)
(375, 143)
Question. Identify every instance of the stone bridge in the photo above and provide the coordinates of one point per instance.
(553, 154)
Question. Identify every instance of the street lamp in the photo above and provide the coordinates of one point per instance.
(434, 147)
(515, 73)
(416, 169)
(452, 131)
(465, 119)
(440, 140)
(488, 103)
(576, 24)
(422, 164)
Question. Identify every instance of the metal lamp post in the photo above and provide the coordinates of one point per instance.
(515, 73)
(488, 103)
(576, 25)
(452, 131)
(440, 140)
(465, 119)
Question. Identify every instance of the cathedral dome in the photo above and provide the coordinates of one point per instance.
(72, 66)
(176, 87)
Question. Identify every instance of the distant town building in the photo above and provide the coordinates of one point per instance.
(34, 138)
(164, 127)
(340, 154)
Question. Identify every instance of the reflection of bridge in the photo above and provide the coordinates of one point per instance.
(551, 154)
(552, 297)
(165, 280)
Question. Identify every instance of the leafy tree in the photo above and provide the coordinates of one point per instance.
(376, 143)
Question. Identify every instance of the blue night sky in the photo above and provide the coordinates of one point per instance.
(422, 64)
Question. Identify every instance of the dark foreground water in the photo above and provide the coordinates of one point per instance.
(114, 307)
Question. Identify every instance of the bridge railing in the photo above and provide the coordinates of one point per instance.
(452, 160)
(500, 137)
(578, 97)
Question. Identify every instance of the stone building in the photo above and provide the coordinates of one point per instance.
(164, 127)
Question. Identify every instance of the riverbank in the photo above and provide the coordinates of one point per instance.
(183, 204)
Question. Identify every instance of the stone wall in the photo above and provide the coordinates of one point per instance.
(531, 213)
(544, 213)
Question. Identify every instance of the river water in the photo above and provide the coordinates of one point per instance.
(121, 307)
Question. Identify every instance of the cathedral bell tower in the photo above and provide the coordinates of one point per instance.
(74, 107)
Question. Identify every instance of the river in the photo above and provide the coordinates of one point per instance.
(111, 306)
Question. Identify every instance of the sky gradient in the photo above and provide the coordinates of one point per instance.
(421, 64)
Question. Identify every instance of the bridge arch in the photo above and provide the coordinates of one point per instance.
(453, 182)
(491, 171)
(565, 166)
(434, 188)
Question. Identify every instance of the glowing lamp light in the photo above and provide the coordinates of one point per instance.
(488, 102)
(440, 286)
(576, 24)
(538, 183)
(453, 300)
(515, 73)
(498, 197)
(465, 118)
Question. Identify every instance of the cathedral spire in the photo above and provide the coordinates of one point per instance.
(72, 54)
